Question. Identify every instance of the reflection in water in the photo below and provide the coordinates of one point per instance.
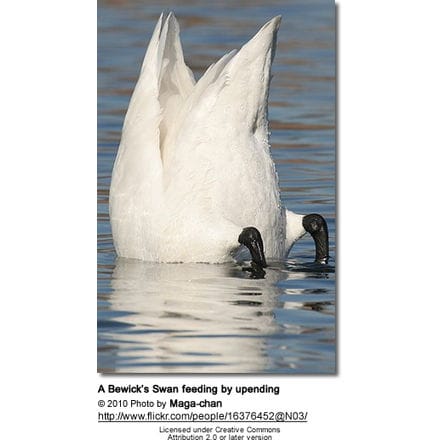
(199, 317)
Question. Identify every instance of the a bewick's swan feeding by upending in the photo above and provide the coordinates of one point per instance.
(194, 180)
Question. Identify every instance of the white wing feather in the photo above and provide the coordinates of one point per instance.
(136, 190)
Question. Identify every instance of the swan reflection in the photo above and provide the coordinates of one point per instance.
(186, 318)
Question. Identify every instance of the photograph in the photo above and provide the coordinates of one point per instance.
(216, 187)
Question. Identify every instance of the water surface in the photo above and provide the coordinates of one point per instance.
(200, 318)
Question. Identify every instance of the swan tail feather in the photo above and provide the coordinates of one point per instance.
(164, 84)
(137, 180)
(175, 79)
(233, 94)
(248, 78)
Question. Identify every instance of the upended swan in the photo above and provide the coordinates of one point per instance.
(193, 179)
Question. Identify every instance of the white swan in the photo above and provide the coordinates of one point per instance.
(194, 180)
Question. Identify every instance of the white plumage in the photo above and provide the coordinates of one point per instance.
(194, 166)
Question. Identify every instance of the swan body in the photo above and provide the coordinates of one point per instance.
(194, 166)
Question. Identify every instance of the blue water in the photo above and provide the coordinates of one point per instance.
(199, 318)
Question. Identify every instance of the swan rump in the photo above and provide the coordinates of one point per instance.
(193, 167)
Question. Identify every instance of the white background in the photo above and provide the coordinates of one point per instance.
(388, 234)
